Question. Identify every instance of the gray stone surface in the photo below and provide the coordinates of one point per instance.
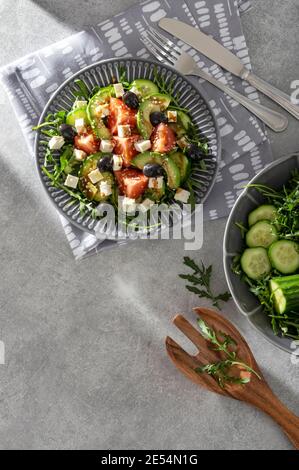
(85, 358)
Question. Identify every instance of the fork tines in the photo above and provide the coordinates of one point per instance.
(160, 46)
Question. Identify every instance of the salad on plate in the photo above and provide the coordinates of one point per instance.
(126, 143)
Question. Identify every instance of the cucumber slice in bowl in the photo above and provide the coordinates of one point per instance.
(264, 212)
(263, 234)
(285, 293)
(100, 98)
(170, 167)
(255, 263)
(182, 163)
(284, 256)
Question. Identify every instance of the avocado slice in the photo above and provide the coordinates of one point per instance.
(100, 98)
(170, 167)
(153, 103)
(182, 163)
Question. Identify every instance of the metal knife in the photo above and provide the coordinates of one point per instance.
(226, 59)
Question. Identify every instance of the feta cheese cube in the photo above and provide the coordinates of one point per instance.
(107, 146)
(182, 195)
(119, 90)
(124, 131)
(105, 188)
(102, 110)
(80, 104)
(79, 155)
(128, 205)
(117, 162)
(71, 181)
(146, 205)
(172, 116)
(156, 183)
(80, 125)
(95, 176)
(143, 145)
(56, 142)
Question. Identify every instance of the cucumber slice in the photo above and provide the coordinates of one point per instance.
(144, 88)
(154, 103)
(100, 98)
(285, 293)
(255, 263)
(265, 212)
(171, 169)
(263, 234)
(184, 120)
(284, 256)
(182, 163)
(75, 114)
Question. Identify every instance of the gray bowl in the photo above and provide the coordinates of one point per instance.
(276, 174)
(102, 74)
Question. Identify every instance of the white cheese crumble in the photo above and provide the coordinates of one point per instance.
(107, 146)
(182, 196)
(146, 205)
(124, 131)
(79, 155)
(119, 90)
(128, 205)
(71, 181)
(172, 116)
(80, 125)
(156, 183)
(117, 162)
(95, 176)
(102, 110)
(143, 145)
(105, 188)
(56, 142)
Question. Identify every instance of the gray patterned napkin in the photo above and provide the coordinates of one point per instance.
(30, 82)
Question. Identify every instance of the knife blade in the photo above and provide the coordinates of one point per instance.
(227, 60)
(204, 44)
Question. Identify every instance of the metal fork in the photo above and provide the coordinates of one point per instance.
(170, 54)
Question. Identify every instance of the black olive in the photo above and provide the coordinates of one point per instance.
(68, 133)
(106, 120)
(151, 170)
(157, 117)
(131, 100)
(105, 163)
(194, 152)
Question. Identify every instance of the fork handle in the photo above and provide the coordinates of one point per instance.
(276, 121)
(274, 93)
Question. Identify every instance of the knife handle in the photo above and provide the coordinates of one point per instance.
(275, 94)
(276, 121)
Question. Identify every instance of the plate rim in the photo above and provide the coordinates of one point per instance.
(198, 88)
(227, 273)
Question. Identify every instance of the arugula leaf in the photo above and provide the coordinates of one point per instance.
(220, 370)
(202, 277)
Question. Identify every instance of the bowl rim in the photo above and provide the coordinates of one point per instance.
(197, 87)
(225, 254)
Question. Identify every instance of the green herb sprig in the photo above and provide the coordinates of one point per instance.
(221, 370)
(202, 277)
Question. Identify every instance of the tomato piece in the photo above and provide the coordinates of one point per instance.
(124, 146)
(132, 183)
(87, 142)
(120, 115)
(163, 139)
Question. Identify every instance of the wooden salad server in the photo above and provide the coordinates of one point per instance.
(256, 392)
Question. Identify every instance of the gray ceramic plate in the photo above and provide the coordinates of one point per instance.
(274, 175)
(101, 74)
